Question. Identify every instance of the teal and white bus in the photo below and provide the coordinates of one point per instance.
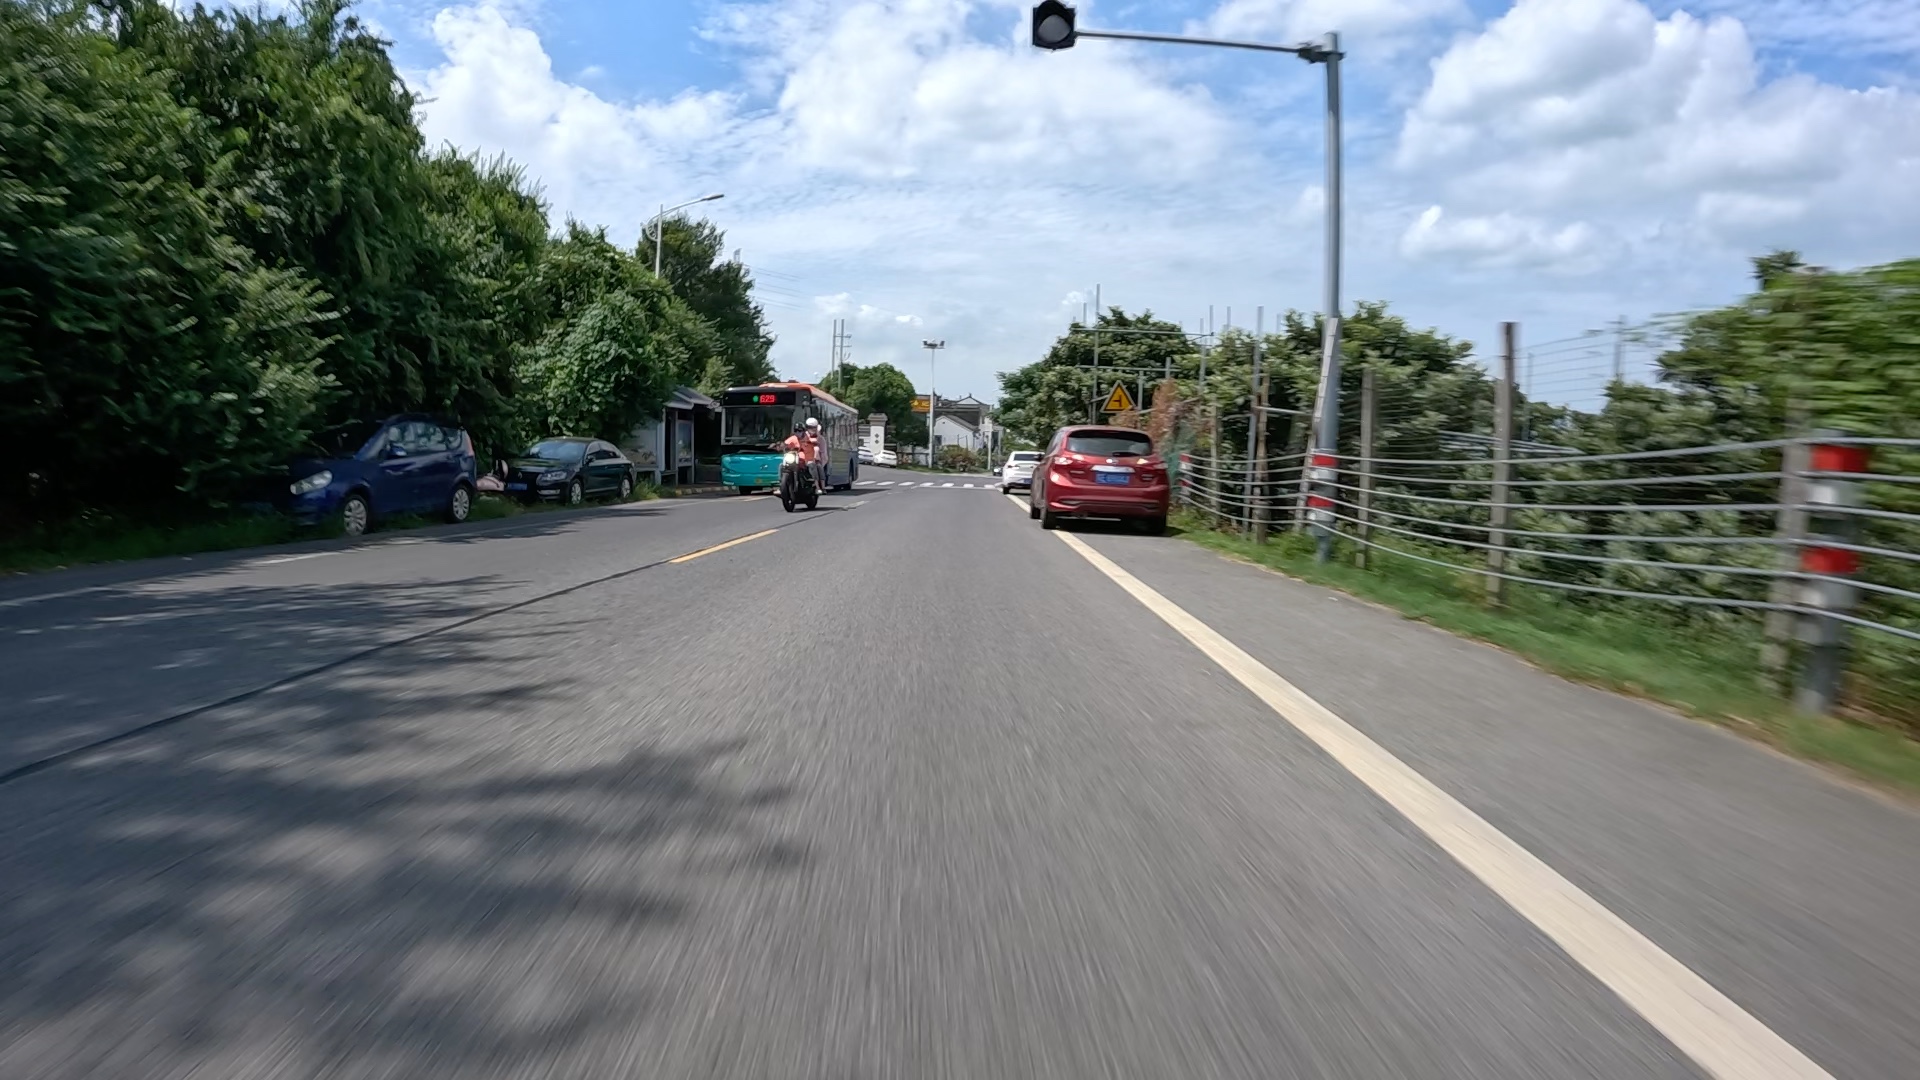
(755, 419)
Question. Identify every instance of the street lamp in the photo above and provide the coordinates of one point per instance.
(660, 219)
(933, 398)
(1054, 29)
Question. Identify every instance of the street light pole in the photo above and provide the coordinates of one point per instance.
(933, 396)
(1326, 434)
(659, 222)
(1054, 28)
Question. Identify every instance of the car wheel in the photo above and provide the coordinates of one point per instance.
(355, 515)
(626, 487)
(1153, 526)
(1033, 511)
(576, 493)
(1049, 519)
(460, 503)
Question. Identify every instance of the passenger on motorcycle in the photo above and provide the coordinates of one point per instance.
(805, 440)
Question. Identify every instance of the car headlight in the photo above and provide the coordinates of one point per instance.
(553, 476)
(312, 483)
(790, 458)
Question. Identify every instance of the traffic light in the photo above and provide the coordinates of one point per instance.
(1052, 25)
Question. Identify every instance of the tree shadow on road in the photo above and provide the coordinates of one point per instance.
(104, 662)
(460, 874)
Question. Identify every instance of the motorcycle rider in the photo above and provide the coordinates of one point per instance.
(805, 440)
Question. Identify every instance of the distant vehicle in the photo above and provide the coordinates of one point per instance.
(886, 459)
(1100, 472)
(755, 420)
(569, 470)
(1018, 471)
(865, 455)
(363, 471)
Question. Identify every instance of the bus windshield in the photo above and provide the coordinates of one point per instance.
(757, 426)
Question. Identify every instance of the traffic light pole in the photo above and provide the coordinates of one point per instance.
(1054, 28)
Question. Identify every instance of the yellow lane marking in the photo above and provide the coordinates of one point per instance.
(1704, 1024)
(692, 555)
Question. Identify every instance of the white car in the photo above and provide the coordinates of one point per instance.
(1018, 471)
(886, 458)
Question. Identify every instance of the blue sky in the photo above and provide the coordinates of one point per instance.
(914, 167)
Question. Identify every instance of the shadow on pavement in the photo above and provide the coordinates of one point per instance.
(91, 665)
(19, 589)
(376, 874)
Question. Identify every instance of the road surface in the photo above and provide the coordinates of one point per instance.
(906, 787)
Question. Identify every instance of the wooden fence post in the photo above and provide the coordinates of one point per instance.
(1367, 406)
(1790, 526)
(1260, 457)
(1502, 465)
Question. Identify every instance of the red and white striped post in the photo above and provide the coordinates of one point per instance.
(1826, 588)
(1323, 471)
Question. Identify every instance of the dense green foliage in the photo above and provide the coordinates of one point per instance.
(221, 230)
(1810, 349)
(880, 388)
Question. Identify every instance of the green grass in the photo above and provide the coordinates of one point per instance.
(104, 539)
(1709, 676)
(98, 539)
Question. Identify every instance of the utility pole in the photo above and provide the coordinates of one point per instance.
(1093, 414)
(1619, 348)
(933, 397)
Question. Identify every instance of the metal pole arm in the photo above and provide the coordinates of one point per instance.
(1312, 54)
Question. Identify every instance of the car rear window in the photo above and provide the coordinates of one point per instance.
(1110, 443)
(1026, 455)
(346, 440)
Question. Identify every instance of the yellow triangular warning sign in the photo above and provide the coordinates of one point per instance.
(1119, 400)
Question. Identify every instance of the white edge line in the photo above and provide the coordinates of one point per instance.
(277, 560)
(1700, 1021)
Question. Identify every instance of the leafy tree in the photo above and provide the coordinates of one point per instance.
(719, 290)
(616, 340)
(881, 388)
(1059, 389)
(143, 353)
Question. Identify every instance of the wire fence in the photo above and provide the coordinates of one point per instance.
(1721, 536)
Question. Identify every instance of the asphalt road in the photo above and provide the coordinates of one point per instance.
(904, 788)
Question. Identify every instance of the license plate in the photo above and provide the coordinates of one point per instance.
(516, 487)
(1111, 477)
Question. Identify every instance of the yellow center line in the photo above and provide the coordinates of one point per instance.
(692, 555)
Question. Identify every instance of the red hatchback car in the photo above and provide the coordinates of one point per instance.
(1100, 472)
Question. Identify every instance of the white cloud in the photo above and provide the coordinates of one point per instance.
(1585, 106)
(1502, 241)
(914, 167)
(841, 305)
(896, 88)
(1288, 21)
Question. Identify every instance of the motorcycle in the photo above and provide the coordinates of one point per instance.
(796, 483)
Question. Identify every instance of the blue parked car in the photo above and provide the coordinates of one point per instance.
(360, 472)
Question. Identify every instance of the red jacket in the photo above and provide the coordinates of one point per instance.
(807, 445)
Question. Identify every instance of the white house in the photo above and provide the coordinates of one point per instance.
(953, 430)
